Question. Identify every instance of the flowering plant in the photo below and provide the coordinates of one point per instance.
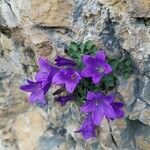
(88, 78)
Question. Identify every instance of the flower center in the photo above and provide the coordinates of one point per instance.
(100, 69)
(97, 102)
(73, 76)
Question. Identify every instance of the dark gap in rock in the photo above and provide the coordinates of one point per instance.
(138, 86)
(62, 131)
(25, 68)
(2, 53)
(109, 39)
(142, 20)
(29, 52)
(5, 30)
(71, 141)
(111, 134)
(60, 29)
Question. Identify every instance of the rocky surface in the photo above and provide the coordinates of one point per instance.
(31, 28)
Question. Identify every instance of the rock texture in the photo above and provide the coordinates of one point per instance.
(33, 28)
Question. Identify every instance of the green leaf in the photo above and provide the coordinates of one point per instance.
(128, 62)
(109, 81)
(73, 46)
(88, 45)
(114, 63)
(128, 69)
(120, 66)
(126, 75)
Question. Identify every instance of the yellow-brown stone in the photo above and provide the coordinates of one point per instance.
(141, 8)
(28, 128)
(52, 12)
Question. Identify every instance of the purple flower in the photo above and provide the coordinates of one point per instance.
(46, 73)
(64, 99)
(67, 76)
(61, 61)
(117, 107)
(96, 66)
(36, 90)
(99, 105)
(88, 128)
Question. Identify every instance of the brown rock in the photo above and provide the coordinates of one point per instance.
(28, 128)
(141, 8)
(52, 13)
(142, 144)
(145, 116)
(108, 2)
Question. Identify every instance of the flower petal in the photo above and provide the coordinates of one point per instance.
(96, 78)
(118, 104)
(44, 64)
(33, 86)
(88, 72)
(90, 95)
(108, 111)
(41, 76)
(101, 56)
(61, 61)
(57, 79)
(88, 107)
(108, 68)
(89, 61)
(70, 86)
(119, 113)
(37, 97)
(97, 115)
(109, 99)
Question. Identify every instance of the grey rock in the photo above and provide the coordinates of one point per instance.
(146, 90)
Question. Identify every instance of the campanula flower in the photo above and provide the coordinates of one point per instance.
(117, 107)
(67, 76)
(99, 105)
(88, 129)
(36, 90)
(96, 66)
(46, 72)
(61, 61)
(64, 99)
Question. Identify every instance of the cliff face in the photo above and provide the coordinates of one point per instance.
(33, 28)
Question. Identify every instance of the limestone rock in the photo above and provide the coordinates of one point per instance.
(52, 13)
(138, 108)
(7, 43)
(107, 2)
(33, 28)
(9, 13)
(28, 127)
(141, 8)
(146, 88)
(126, 89)
(145, 116)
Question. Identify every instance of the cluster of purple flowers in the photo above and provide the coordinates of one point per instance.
(65, 74)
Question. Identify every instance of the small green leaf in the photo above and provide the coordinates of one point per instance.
(128, 69)
(88, 45)
(126, 75)
(109, 81)
(73, 46)
(120, 66)
(114, 63)
(128, 62)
